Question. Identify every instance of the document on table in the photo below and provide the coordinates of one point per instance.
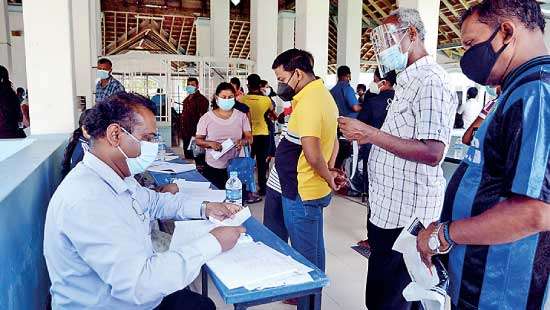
(226, 146)
(213, 195)
(187, 231)
(239, 218)
(184, 184)
(165, 167)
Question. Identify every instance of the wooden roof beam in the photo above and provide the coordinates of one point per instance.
(244, 44)
(366, 9)
(447, 22)
(450, 7)
(190, 37)
(237, 41)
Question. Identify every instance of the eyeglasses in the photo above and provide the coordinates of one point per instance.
(136, 207)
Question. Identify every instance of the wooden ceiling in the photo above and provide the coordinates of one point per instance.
(168, 26)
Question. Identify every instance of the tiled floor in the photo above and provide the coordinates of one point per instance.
(344, 226)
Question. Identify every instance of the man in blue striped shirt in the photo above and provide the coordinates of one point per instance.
(496, 216)
(107, 84)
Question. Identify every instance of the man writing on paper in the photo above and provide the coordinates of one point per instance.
(97, 238)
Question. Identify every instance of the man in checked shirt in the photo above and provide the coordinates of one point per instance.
(405, 175)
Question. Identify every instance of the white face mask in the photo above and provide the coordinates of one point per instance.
(148, 154)
(266, 91)
(373, 88)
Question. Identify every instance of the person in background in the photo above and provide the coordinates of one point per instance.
(268, 91)
(471, 108)
(10, 110)
(195, 106)
(405, 175)
(222, 123)
(24, 97)
(20, 94)
(302, 155)
(361, 90)
(487, 109)
(78, 145)
(259, 105)
(97, 235)
(107, 84)
(496, 218)
(380, 96)
(237, 87)
(348, 106)
(159, 99)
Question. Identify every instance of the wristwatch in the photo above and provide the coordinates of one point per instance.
(204, 204)
(433, 242)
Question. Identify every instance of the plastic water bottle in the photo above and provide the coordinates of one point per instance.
(162, 148)
(233, 189)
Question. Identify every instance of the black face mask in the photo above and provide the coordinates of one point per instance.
(284, 91)
(478, 62)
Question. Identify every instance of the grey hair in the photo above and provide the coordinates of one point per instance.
(410, 17)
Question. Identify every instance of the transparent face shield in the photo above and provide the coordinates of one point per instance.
(386, 43)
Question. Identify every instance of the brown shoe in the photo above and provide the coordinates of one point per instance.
(364, 243)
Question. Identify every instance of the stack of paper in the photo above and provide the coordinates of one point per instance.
(204, 194)
(226, 146)
(164, 167)
(184, 184)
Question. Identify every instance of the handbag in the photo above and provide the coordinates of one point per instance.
(244, 166)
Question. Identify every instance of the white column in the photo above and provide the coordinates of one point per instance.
(18, 73)
(202, 27)
(219, 28)
(5, 43)
(96, 44)
(285, 31)
(50, 66)
(83, 49)
(350, 16)
(263, 49)
(547, 33)
(429, 12)
(312, 31)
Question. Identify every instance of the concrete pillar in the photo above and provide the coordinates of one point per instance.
(312, 31)
(82, 37)
(96, 44)
(263, 49)
(547, 33)
(219, 28)
(285, 33)
(429, 12)
(202, 26)
(18, 73)
(5, 36)
(50, 66)
(350, 21)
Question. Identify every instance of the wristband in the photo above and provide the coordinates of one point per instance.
(447, 234)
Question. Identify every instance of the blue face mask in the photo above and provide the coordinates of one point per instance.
(393, 59)
(103, 74)
(226, 104)
(148, 154)
(190, 89)
(491, 91)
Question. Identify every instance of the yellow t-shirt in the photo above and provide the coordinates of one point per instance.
(258, 106)
(314, 115)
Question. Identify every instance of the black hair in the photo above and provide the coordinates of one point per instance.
(263, 83)
(193, 79)
(103, 61)
(5, 78)
(235, 80)
(391, 76)
(77, 134)
(254, 82)
(471, 93)
(119, 108)
(293, 59)
(492, 13)
(343, 71)
(221, 87)
(362, 86)
(20, 90)
(10, 110)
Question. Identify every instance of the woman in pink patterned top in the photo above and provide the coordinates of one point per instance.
(222, 123)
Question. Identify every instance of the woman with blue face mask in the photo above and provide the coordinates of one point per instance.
(222, 123)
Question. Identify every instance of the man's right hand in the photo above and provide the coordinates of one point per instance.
(227, 236)
(215, 146)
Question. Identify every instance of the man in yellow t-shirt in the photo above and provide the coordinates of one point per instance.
(302, 155)
(259, 105)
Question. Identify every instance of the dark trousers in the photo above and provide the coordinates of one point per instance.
(387, 275)
(273, 214)
(345, 150)
(218, 177)
(188, 153)
(260, 147)
(186, 299)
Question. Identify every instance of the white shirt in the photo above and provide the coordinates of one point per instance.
(98, 249)
(423, 109)
(469, 111)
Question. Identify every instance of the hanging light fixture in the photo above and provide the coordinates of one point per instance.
(235, 2)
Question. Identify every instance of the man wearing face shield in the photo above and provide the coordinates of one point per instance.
(97, 238)
(405, 175)
(496, 217)
(106, 85)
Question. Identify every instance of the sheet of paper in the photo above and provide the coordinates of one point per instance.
(184, 184)
(188, 231)
(200, 194)
(165, 167)
(239, 218)
(355, 157)
(226, 146)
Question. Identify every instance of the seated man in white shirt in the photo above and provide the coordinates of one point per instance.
(97, 239)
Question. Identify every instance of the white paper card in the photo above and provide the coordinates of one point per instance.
(239, 218)
(226, 146)
(184, 184)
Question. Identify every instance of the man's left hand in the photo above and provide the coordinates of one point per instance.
(221, 210)
(168, 188)
(354, 129)
(422, 244)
